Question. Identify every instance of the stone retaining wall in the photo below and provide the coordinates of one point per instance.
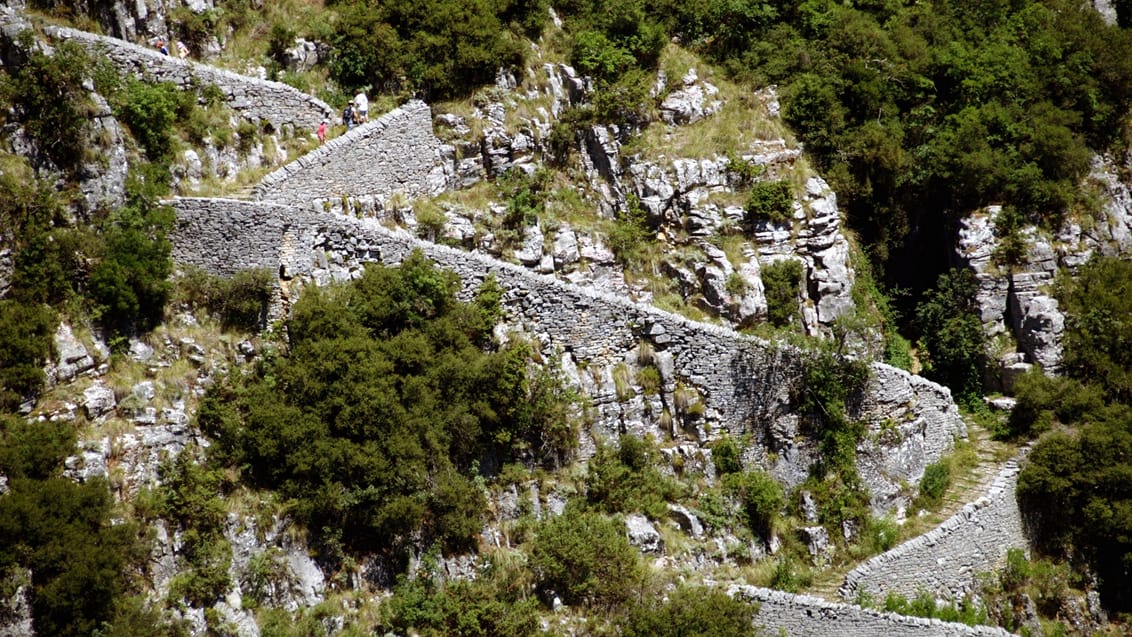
(254, 99)
(805, 616)
(397, 153)
(745, 383)
(945, 561)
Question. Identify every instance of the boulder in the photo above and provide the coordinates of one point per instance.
(98, 400)
(642, 534)
(686, 519)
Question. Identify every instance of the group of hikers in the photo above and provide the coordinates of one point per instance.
(182, 50)
(357, 112)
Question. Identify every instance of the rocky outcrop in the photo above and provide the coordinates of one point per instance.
(1017, 299)
(713, 380)
(946, 560)
(141, 20)
(15, 610)
(396, 153)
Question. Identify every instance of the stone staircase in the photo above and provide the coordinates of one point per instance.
(966, 487)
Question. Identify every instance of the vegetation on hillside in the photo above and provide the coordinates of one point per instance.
(390, 397)
(1077, 487)
(389, 412)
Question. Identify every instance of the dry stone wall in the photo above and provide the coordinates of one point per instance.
(805, 616)
(745, 383)
(255, 99)
(945, 561)
(397, 153)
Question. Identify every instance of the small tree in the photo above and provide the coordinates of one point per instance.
(585, 558)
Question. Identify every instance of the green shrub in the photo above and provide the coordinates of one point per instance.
(787, 576)
(897, 351)
(692, 612)
(150, 111)
(1045, 401)
(770, 201)
(626, 479)
(27, 333)
(443, 48)
(495, 603)
(726, 456)
(1098, 328)
(761, 497)
(240, 301)
(585, 558)
(951, 335)
(936, 481)
(34, 450)
(1071, 492)
(782, 281)
(62, 532)
(47, 98)
(128, 286)
(648, 378)
(629, 232)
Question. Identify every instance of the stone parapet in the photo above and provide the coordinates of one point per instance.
(396, 153)
(254, 99)
(804, 616)
(946, 560)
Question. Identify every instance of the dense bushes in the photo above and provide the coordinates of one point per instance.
(1076, 493)
(1075, 489)
(49, 101)
(1098, 332)
(61, 531)
(442, 48)
(585, 558)
(692, 612)
(951, 335)
(626, 478)
(769, 201)
(240, 302)
(495, 603)
(373, 425)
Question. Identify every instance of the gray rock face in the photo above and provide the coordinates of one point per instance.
(305, 55)
(73, 358)
(642, 534)
(98, 400)
(817, 543)
(690, 103)
(686, 519)
(15, 611)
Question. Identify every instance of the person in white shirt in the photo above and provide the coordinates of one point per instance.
(361, 108)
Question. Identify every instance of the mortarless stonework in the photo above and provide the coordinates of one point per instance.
(745, 383)
(805, 616)
(946, 560)
(256, 100)
(396, 153)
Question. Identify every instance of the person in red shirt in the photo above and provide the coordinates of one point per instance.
(322, 132)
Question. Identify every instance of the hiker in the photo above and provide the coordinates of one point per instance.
(322, 132)
(362, 104)
(348, 116)
(161, 47)
(182, 50)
